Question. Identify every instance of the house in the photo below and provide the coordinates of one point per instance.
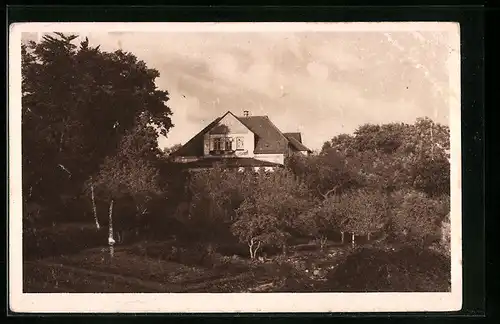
(240, 142)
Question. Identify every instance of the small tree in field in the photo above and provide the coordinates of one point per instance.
(361, 212)
(271, 211)
(321, 220)
(132, 174)
(417, 217)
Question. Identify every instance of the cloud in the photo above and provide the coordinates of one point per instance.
(321, 84)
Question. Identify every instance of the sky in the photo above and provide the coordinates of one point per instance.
(318, 83)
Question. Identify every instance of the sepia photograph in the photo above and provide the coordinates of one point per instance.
(234, 167)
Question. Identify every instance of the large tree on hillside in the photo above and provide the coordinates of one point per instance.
(398, 155)
(325, 174)
(77, 104)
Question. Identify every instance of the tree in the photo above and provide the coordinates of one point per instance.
(132, 174)
(325, 174)
(397, 155)
(77, 104)
(169, 150)
(360, 212)
(215, 195)
(417, 218)
(322, 219)
(270, 212)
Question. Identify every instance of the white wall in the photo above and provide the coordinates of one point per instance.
(274, 158)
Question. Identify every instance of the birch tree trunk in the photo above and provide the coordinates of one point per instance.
(352, 239)
(368, 236)
(342, 237)
(284, 249)
(111, 240)
(94, 209)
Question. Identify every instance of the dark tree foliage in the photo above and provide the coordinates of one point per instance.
(78, 103)
(398, 155)
(325, 174)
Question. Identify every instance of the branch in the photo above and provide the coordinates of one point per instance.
(325, 196)
(64, 168)
(256, 249)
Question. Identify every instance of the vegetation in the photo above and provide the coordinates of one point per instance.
(78, 104)
(269, 213)
(91, 122)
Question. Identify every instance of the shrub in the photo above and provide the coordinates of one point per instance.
(403, 270)
(62, 239)
(416, 218)
(214, 195)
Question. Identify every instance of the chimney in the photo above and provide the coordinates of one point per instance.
(245, 113)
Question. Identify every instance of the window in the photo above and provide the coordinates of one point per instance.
(222, 144)
(217, 144)
(239, 143)
(229, 144)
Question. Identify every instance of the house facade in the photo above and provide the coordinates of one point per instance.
(240, 141)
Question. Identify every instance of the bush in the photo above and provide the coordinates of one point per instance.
(62, 239)
(403, 270)
(417, 218)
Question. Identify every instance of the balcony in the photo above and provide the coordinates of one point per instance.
(222, 152)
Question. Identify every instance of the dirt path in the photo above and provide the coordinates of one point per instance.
(120, 280)
(75, 279)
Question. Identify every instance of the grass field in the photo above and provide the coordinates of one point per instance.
(131, 269)
(170, 266)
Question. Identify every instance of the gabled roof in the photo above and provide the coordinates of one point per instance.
(297, 136)
(194, 147)
(269, 139)
(295, 141)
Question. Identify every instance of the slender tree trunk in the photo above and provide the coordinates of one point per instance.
(342, 237)
(256, 249)
(94, 209)
(352, 239)
(250, 248)
(322, 243)
(111, 240)
(368, 236)
(253, 247)
(285, 249)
